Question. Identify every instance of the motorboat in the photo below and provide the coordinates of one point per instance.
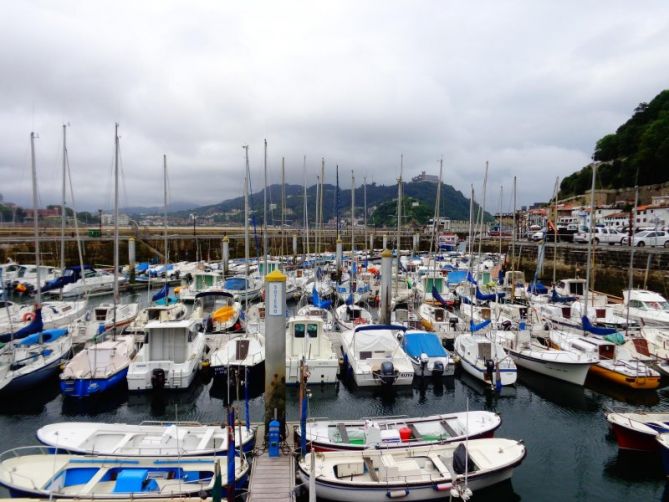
(28, 362)
(160, 313)
(374, 356)
(37, 472)
(530, 354)
(638, 430)
(148, 439)
(219, 313)
(240, 356)
(413, 473)
(646, 307)
(307, 341)
(104, 317)
(99, 367)
(243, 288)
(485, 359)
(350, 316)
(399, 432)
(614, 363)
(169, 358)
(428, 355)
(76, 281)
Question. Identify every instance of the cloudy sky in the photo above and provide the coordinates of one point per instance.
(528, 86)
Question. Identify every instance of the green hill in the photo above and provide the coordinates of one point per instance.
(379, 197)
(639, 145)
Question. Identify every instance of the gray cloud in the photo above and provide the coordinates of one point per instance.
(528, 86)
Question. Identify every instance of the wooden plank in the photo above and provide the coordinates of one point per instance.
(272, 479)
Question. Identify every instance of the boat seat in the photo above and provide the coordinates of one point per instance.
(205, 439)
(448, 428)
(369, 464)
(417, 435)
(343, 432)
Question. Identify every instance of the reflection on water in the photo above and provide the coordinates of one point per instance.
(33, 401)
(563, 394)
(622, 393)
(97, 404)
(635, 466)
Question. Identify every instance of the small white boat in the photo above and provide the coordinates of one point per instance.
(561, 364)
(98, 368)
(307, 341)
(243, 288)
(438, 319)
(413, 473)
(399, 432)
(638, 430)
(374, 356)
(485, 360)
(36, 472)
(148, 439)
(325, 314)
(219, 313)
(238, 357)
(102, 318)
(646, 307)
(169, 358)
(161, 313)
(349, 316)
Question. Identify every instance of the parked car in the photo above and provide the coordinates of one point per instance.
(604, 235)
(538, 236)
(649, 238)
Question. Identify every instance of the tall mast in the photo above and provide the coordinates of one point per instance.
(337, 202)
(555, 232)
(264, 218)
(437, 217)
(33, 170)
(499, 226)
(62, 207)
(116, 259)
(630, 277)
(513, 236)
(591, 225)
(364, 205)
(320, 221)
(165, 246)
(352, 217)
(482, 208)
(283, 204)
(246, 223)
(399, 220)
(318, 206)
(471, 220)
(306, 208)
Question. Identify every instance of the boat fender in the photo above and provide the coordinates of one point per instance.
(442, 487)
(158, 379)
(489, 368)
(395, 494)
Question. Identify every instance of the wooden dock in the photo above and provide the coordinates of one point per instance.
(272, 479)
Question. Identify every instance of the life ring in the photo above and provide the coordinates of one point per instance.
(27, 317)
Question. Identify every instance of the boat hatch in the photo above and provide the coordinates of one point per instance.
(607, 351)
(641, 346)
(566, 312)
(439, 315)
(101, 314)
(242, 349)
(348, 469)
(134, 480)
(600, 313)
(485, 350)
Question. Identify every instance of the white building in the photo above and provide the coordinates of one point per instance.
(652, 216)
(108, 219)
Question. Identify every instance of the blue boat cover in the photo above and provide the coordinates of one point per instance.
(437, 296)
(491, 296)
(595, 330)
(130, 480)
(164, 291)
(556, 298)
(46, 336)
(416, 344)
(318, 302)
(476, 327)
(537, 287)
(235, 284)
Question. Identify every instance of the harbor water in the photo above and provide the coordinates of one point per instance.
(570, 453)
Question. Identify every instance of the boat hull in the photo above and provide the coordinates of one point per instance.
(86, 387)
(632, 382)
(629, 439)
(32, 379)
(575, 373)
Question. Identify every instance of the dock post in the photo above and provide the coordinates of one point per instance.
(416, 241)
(386, 281)
(226, 255)
(385, 242)
(131, 258)
(338, 257)
(294, 248)
(371, 243)
(275, 349)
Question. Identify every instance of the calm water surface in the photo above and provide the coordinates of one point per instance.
(571, 455)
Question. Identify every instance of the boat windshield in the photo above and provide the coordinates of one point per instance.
(662, 306)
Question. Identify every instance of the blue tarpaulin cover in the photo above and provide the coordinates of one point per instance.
(456, 276)
(416, 344)
(130, 480)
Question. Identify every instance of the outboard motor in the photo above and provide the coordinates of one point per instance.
(387, 373)
(424, 359)
(506, 325)
(158, 379)
(438, 369)
(489, 369)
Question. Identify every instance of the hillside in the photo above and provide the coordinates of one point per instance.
(454, 204)
(639, 145)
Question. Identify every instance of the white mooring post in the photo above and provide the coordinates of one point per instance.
(338, 256)
(385, 242)
(275, 349)
(131, 258)
(226, 255)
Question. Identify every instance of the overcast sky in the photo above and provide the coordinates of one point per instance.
(528, 86)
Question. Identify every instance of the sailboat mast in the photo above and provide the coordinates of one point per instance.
(165, 247)
(630, 277)
(246, 222)
(555, 232)
(116, 259)
(62, 207)
(437, 217)
(499, 227)
(364, 208)
(399, 220)
(320, 220)
(482, 207)
(264, 218)
(513, 236)
(306, 209)
(33, 170)
(591, 225)
(352, 217)
(471, 220)
(283, 205)
(317, 243)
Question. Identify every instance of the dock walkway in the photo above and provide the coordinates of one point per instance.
(272, 479)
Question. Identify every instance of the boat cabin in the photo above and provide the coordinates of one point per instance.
(168, 341)
(304, 337)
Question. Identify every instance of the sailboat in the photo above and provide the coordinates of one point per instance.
(103, 365)
(36, 357)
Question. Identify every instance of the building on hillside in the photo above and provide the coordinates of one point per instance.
(616, 220)
(425, 177)
(652, 216)
(108, 219)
